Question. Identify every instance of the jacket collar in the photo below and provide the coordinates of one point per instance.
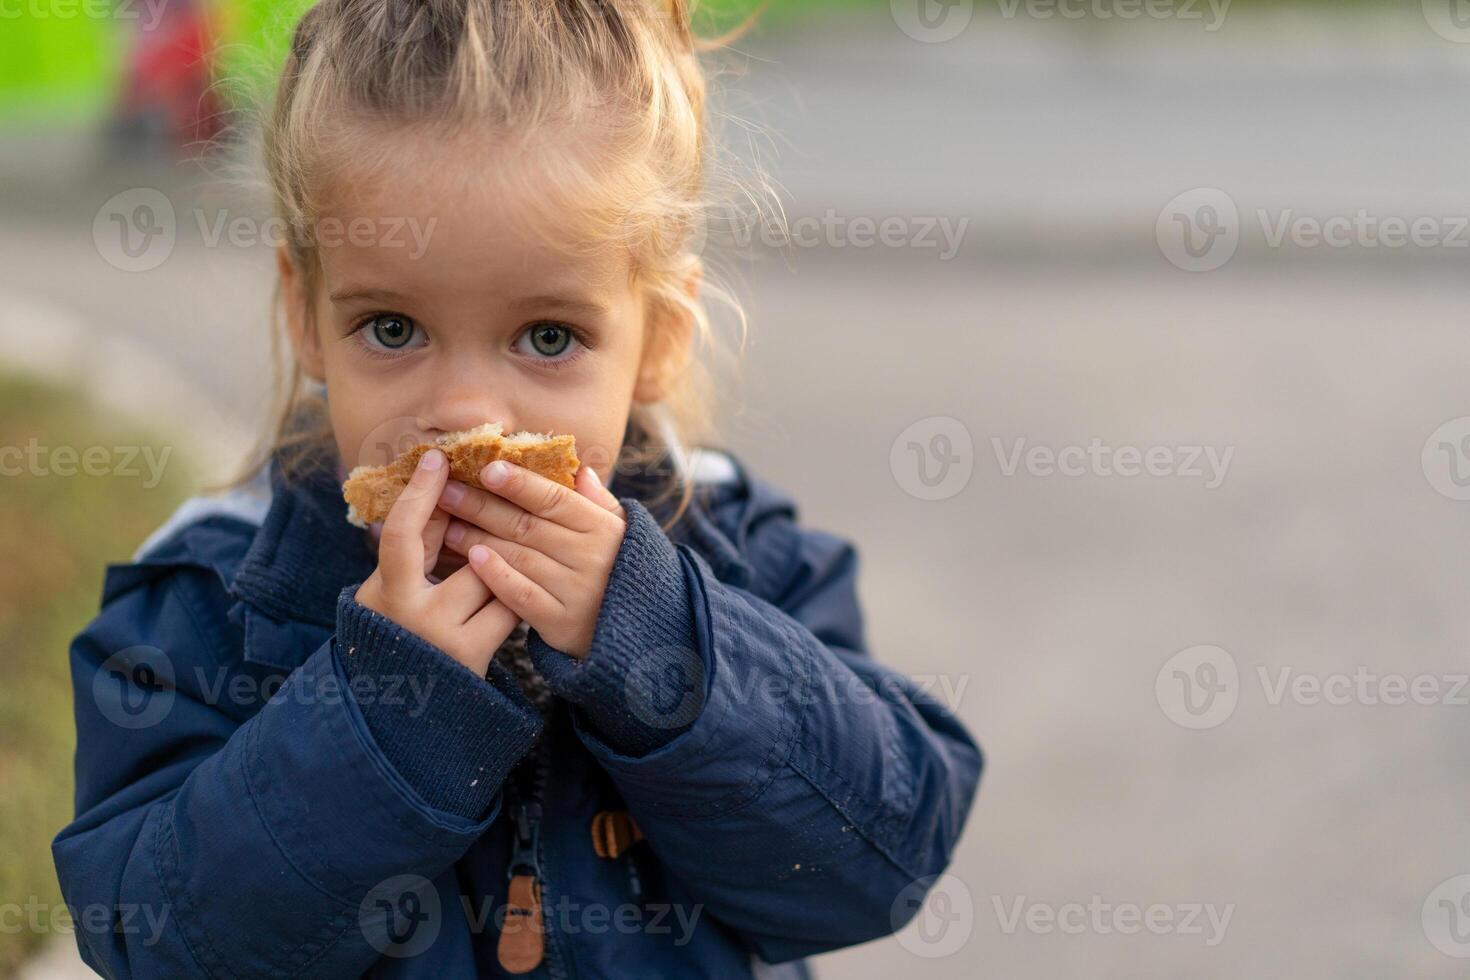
(306, 553)
(303, 556)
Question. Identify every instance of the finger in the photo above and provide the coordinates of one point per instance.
(401, 548)
(528, 599)
(536, 565)
(489, 627)
(434, 538)
(537, 495)
(589, 485)
(504, 519)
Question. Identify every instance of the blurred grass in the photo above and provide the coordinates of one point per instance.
(56, 534)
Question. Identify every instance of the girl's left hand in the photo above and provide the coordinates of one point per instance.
(544, 551)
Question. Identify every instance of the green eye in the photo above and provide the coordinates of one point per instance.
(550, 339)
(392, 331)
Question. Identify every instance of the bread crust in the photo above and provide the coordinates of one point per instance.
(370, 491)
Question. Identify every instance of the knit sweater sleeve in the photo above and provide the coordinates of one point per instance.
(643, 681)
(451, 735)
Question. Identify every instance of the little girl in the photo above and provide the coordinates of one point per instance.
(625, 729)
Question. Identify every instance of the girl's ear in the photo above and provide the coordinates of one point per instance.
(304, 340)
(670, 338)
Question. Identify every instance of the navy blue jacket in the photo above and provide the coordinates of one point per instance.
(272, 780)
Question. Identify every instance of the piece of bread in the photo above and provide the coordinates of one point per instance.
(371, 490)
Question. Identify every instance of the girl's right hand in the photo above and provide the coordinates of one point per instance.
(458, 615)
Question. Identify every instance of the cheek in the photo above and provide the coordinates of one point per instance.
(597, 425)
(371, 420)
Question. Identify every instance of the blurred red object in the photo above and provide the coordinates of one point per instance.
(167, 95)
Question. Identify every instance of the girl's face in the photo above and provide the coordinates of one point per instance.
(439, 309)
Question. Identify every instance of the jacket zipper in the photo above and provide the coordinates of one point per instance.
(525, 940)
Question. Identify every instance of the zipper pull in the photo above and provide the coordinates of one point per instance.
(523, 931)
(613, 832)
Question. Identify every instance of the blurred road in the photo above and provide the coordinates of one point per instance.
(1314, 833)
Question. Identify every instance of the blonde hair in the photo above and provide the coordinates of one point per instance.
(628, 68)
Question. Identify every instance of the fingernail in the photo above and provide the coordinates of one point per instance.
(431, 460)
(455, 534)
(595, 478)
(479, 554)
(453, 493)
(496, 473)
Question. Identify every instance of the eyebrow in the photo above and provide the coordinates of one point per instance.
(544, 302)
(378, 295)
(560, 303)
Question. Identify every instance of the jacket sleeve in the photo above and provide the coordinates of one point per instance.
(808, 793)
(257, 839)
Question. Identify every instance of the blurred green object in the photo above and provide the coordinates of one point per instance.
(55, 64)
(58, 533)
(255, 37)
(73, 65)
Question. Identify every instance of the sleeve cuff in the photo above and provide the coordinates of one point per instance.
(452, 736)
(642, 683)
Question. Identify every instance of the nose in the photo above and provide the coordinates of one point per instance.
(467, 395)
